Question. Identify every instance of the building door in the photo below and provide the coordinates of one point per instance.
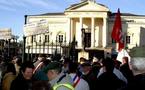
(87, 40)
(96, 53)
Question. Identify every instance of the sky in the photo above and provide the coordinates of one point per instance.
(12, 11)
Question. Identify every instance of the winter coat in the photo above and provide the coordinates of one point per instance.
(20, 83)
(61, 79)
(7, 80)
(81, 85)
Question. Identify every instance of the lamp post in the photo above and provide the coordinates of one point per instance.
(9, 48)
(28, 57)
(23, 54)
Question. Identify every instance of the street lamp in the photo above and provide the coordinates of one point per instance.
(23, 54)
(9, 48)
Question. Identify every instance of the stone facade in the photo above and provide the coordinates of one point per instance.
(96, 20)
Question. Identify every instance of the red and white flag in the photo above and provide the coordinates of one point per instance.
(117, 34)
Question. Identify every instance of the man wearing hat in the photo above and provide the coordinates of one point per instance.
(57, 79)
(137, 64)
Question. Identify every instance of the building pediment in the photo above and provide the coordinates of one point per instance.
(87, 6)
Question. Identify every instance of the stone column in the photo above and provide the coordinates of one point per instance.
(80, 33)
(92, 32)
(104, 36)
(97, 36)
(71, 29)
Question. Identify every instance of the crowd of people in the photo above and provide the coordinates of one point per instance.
(47, 74)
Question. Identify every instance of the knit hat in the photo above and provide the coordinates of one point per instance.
(51, 66)
(137, 52)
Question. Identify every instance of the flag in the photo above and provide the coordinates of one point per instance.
(117, 34)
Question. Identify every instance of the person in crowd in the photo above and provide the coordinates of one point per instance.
(88, 75)
(108, 80)
(9, 76)
(57, 79)
(96, 66)
(38, 73)
(78, 82)
(17, 61)
(38, 60)
(65, 66)
(137, 65)
(39, 65)
(41, 85)
(24, 79)
(117, 62)
(115, 71)
(124, 68)
(82, 60)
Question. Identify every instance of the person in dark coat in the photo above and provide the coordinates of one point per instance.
(89, 76)
(124, 68)
(24, 80)
(9, 76)
(108, 80)
(138, 68)
(41, 85)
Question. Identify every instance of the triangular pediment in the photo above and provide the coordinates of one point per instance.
(87, 6)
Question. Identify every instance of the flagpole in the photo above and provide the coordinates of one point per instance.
(117, 34)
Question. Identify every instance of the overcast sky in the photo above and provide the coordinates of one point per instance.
(12, 11)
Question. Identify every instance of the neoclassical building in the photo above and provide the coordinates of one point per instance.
(89, 22)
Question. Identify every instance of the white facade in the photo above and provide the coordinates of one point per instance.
(95, 18)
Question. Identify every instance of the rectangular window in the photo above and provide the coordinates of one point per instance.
(128, 39)
(46, 38)
(87, 40)
(34, 39)
(60, 38)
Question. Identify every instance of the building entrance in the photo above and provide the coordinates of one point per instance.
(87, 40)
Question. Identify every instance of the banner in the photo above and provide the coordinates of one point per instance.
(5, 34)
(34, 28)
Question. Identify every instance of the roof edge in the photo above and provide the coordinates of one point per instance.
(47, 14)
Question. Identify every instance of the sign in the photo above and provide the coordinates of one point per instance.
(5, 34)
(34, 28)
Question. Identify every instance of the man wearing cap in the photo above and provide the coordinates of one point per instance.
(57, 79)
(137, 64)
